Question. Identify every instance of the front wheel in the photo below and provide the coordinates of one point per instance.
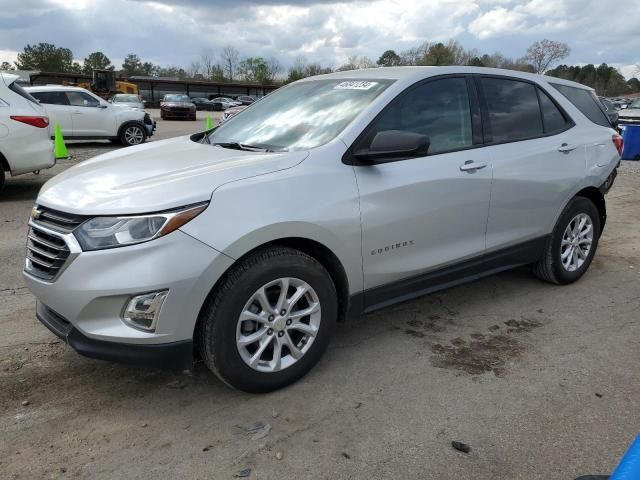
(270, 320)
(572, 245)
(132, 134)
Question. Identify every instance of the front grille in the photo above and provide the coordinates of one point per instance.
(58, 221)
(46, 253)
(629, 120)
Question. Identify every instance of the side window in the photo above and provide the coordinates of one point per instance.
(51, 98)
(513, 109)
(552, 118)
(586, 102)
(438, 109)
(81, 99)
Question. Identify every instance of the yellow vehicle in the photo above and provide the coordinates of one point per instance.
(105, 85)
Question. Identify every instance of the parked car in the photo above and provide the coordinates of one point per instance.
(25, 144)
(630, 115)
(177, 106)
(230, 112)
(222, 103)
(83, 115)
(202, 103)
(127, 100)
(437, 176)
(245, 99)
(610, 110)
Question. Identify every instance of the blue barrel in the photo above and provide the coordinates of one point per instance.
(631, 137)
(629, 466)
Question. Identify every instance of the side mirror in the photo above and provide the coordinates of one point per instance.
(394, 144)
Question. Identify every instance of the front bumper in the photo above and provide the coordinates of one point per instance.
(149, 125)
(175, 355)
(91, 291)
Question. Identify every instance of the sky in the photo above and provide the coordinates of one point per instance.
(325, 31)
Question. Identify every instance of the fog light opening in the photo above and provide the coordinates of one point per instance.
(142, 311)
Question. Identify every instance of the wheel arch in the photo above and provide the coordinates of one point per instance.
(314, 249)
(596, 196)
(4, 163)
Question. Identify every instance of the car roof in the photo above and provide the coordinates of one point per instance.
(414, 74)
(9, 78)
(54, 88)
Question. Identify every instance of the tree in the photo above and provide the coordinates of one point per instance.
(545, 53)
(132, 65)
(301, 69)
(476, 62)
(439, 54)
(229, 58)
(389, 59)
(355, 62)
(96, 61)
(415, 55)
(274, 69)
(207, 62)
(253, 69)
(6, 66)
(46, 57)
(633, 85)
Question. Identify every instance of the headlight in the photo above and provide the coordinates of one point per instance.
(110, 232)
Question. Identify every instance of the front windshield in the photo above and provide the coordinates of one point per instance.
(126, 99)
(300, 116)
(177, 98)
(635, 103)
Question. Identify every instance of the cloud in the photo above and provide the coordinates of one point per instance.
(325, 31)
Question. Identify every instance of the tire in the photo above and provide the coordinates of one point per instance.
(127, 136)
(2, 178)
(221, 327)
(551, 267)
(161, 115)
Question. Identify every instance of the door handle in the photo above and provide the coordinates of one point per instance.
(566, 148)
(471, 166)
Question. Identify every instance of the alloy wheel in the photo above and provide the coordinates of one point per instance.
(278, 324)
(133, 135)
(577, 241)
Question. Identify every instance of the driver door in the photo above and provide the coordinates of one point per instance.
(422, 215)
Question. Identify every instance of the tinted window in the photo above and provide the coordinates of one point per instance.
(514, 112)
(586, 102)
(51, 98)
(21, 91)
(81, 99)
(439, 109)
(552, 118)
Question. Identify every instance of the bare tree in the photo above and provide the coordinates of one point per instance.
(207, 61)
(541, 55)
(274, 69)
(229, 58)
(194, 69)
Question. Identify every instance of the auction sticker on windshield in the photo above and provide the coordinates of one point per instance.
(355, 85)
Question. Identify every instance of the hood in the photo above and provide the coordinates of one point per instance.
(156, 176)
(176, 104)
(629, 113)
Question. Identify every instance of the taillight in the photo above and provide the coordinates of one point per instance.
(38, 122)
(618, 142)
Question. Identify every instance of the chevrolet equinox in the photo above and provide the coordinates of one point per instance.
(334, 196)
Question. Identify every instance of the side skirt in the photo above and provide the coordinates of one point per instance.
(450, 276)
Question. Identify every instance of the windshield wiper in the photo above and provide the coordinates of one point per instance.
(242, 146)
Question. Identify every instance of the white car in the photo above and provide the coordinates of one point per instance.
(83, 115)
(25, 143)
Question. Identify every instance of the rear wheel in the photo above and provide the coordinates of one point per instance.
(270, 320)
(572, 245)
(2, 175)
(132, 134)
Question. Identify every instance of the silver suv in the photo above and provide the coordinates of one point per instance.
(334, 196)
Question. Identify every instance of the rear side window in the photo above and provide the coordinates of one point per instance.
(586, 102)
(81, 99)
(15, 88)
(553, 119)
(438, 109)
(51, 98)
(513, 110)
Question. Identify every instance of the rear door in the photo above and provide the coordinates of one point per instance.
(537, 160)
(90, 118)
(57, 107)
(421, 214)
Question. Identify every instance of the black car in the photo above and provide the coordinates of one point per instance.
(202, 103)
(245, 99)
(177, 106)
(610, 110)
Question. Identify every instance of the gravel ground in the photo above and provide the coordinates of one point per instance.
(541, 381)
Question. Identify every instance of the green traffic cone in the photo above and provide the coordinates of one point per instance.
(209, 124)
(59, 148)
